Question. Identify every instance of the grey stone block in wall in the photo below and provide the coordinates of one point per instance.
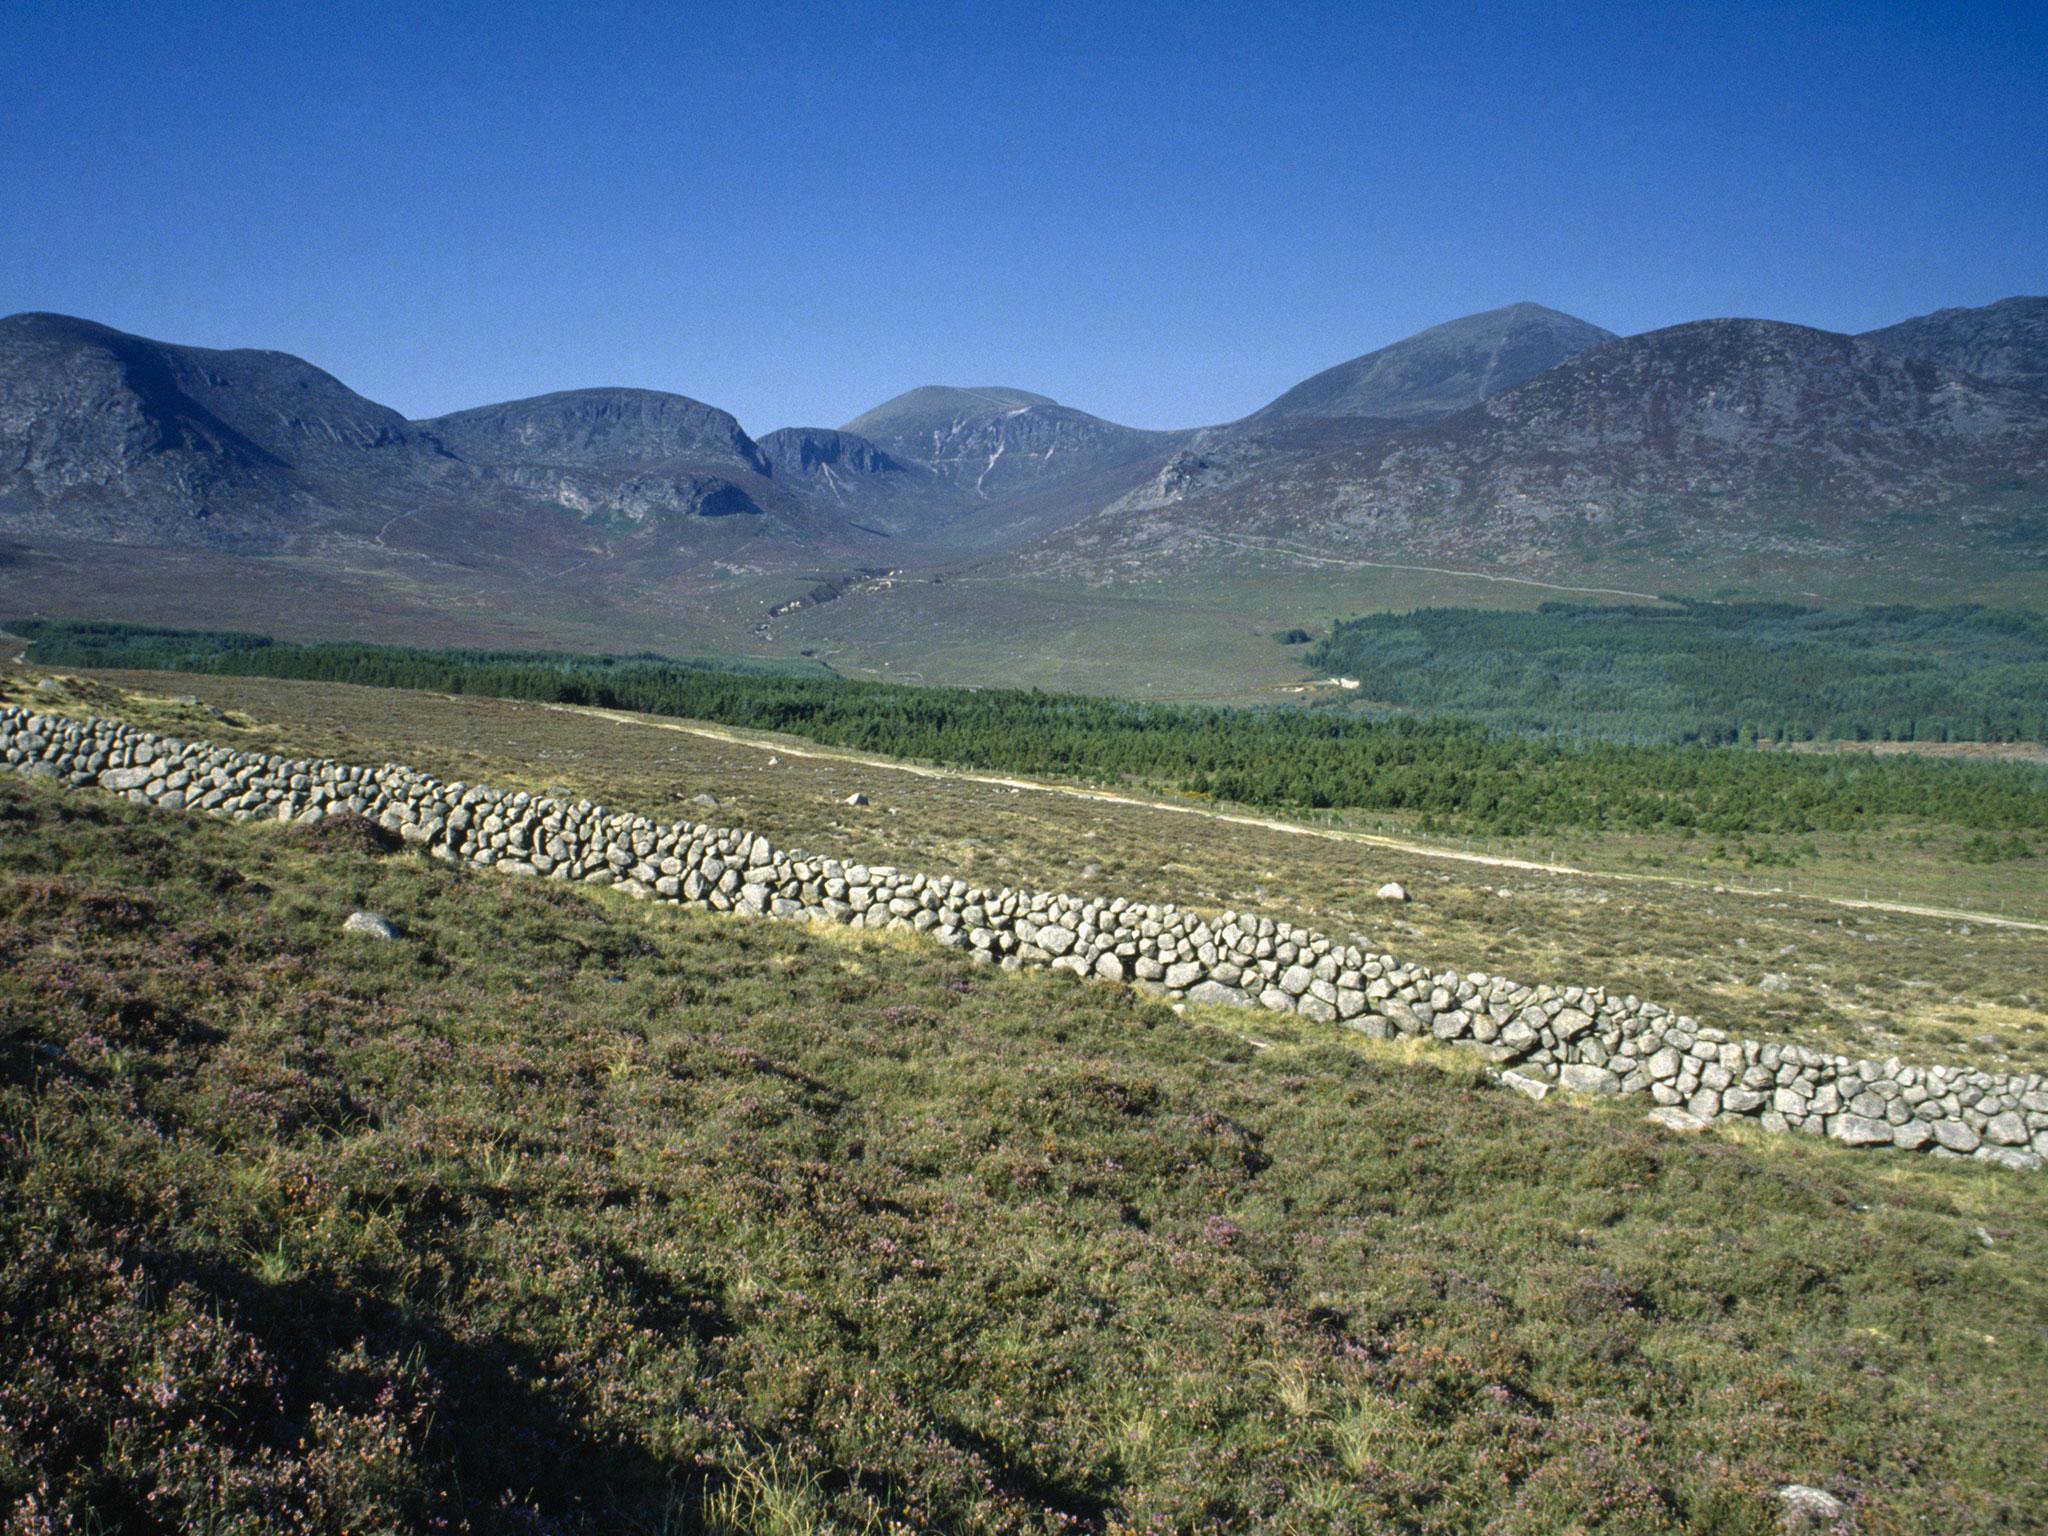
(1581, 1078)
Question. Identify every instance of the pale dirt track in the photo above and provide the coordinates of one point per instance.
(1269, 823)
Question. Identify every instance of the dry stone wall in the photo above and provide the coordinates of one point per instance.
(1583, 1038)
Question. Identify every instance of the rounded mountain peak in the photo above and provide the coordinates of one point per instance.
(1444, 369)
(600, 428)
(1746, 381)
(916, 411)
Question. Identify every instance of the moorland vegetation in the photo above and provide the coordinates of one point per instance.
(560, 1213)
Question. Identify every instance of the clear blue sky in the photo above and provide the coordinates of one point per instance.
(1162, 213)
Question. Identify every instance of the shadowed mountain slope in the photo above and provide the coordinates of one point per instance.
(862, 481)
(113, 436)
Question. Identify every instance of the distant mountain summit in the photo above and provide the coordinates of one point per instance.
(2006, 341)
(627, 454)
(1442, 370)
(992, 441)
(108, 435)
(933, 408)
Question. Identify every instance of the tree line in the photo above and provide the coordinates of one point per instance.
(1451, 773)
(1710, 672)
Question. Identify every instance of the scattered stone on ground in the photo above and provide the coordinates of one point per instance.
(1807, 1509)
(371, 925)
(1393, 890)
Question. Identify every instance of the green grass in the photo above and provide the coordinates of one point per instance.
(566, 1214)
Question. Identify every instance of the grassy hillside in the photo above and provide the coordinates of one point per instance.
(564, 1214)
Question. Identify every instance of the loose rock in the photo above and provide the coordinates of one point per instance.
(1807, 1509)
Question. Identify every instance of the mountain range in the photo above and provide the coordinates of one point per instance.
(1715, 456)
(1703, 448)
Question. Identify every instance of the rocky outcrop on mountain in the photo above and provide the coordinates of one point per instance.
(623, 456)
(862, 481)
(635, 498)
(1442, 370)
(1186, 472)
(2006, 342)
(1580, 1038)
(795, 453)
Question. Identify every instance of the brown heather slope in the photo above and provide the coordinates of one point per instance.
(560, 1214)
